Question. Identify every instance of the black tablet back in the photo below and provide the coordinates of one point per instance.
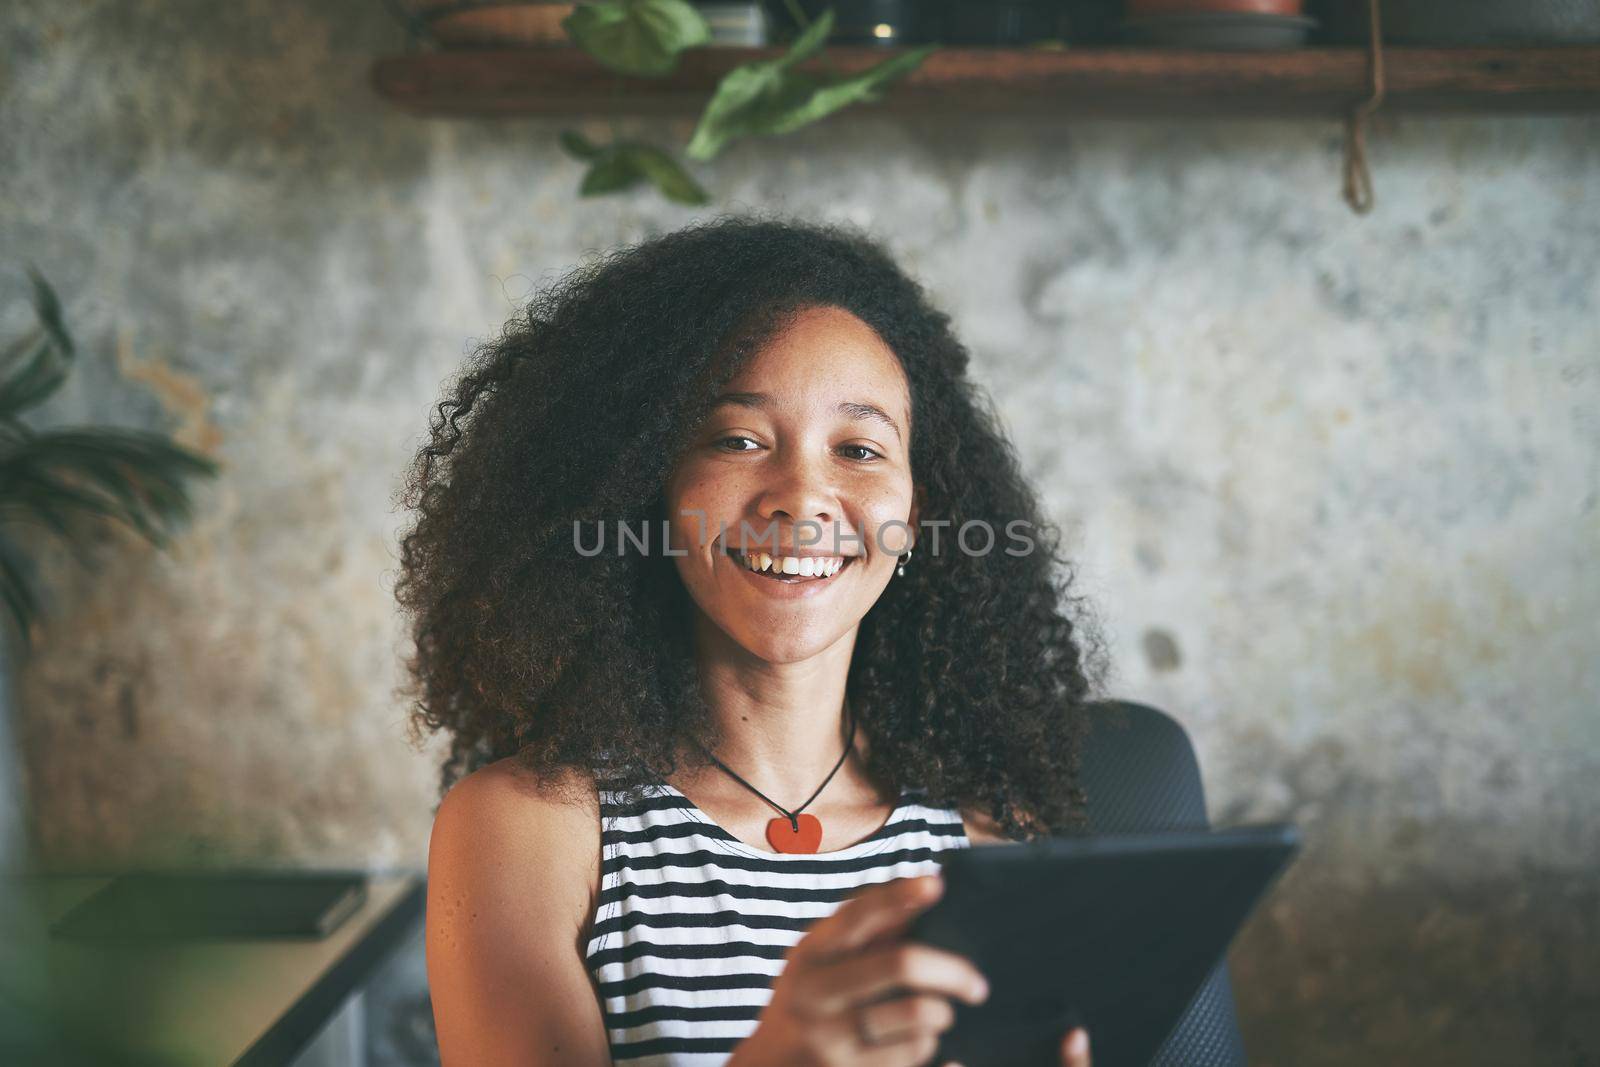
(1115, 933)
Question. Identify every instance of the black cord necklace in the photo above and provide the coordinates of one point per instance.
(795, 833)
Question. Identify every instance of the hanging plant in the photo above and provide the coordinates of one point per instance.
(623, 164)
(768, 97)
(638, 37)
(61, 479)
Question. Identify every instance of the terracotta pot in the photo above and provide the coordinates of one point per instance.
(454, 22)
(1144, 8)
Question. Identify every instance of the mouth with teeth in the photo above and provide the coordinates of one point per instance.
(790, 570)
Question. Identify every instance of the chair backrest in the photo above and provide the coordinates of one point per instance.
(1139, 773)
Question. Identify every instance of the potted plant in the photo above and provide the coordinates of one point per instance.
(66, 480)
(763, 97)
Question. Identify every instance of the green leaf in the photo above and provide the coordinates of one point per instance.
(137, 477)
(738, 93)
(578, 146)
(827, 98)
(39, 496)
(48, 308)
(809, 42)
(749, 87)
(15, 590)
(40, 374)
(770, 97)
(624, 164)
(42, 358)
(641, 37)
(609, 174)
(666, 173)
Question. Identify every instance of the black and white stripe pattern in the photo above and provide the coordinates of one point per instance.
(692, 923)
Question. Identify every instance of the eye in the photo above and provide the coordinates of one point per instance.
(722, 443)
(870, 453)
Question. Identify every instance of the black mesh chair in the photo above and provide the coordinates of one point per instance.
(1140, 774)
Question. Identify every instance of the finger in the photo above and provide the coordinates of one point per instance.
(905, 966)
(839, 1040)
(878, 910)
(1075, 1048)
(915, 1051)
(902, 1017)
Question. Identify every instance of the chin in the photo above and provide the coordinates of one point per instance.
(792, 649)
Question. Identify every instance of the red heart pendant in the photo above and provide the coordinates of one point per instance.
(782, 835)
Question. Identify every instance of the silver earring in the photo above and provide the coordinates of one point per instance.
(901, 569)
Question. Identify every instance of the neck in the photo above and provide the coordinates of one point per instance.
(782, 726)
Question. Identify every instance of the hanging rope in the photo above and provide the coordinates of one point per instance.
(1357, 181)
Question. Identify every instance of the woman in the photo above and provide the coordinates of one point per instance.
(702, 593)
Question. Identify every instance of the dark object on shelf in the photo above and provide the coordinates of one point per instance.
(1147, 8)
(206, 905)
(872, 22)
(1091, 21)
(1342, 22)
(1000, 22)
(735, 22)
(1468, 23)
(1220, 31)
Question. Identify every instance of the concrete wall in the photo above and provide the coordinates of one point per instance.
(1334, 481)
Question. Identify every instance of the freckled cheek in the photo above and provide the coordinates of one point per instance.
(886, 518)
(695, 506)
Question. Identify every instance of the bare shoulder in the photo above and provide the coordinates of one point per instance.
(504, 825)
(510, 789)
(513, 868)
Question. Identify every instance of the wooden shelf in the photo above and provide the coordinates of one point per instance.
(1110, 82)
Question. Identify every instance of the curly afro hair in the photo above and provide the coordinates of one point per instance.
(968, 677)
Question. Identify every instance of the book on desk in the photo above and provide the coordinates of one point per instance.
(215, 904)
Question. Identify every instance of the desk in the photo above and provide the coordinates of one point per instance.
(218, 1002)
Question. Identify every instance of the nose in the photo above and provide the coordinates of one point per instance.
(797, 489)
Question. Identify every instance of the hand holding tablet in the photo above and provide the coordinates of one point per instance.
(1112, 933)
(854, 991)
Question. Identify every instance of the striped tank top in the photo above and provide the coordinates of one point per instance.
(691, 923)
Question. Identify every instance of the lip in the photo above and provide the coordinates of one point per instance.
(787, 590)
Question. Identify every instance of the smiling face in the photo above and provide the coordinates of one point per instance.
(804, 469)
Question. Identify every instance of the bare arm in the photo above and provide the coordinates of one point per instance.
(511, 873)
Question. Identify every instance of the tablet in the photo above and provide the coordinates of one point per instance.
(1115, 933)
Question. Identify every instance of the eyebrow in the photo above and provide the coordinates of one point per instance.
(856, 410)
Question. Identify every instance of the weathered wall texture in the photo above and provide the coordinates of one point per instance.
(1334, 481)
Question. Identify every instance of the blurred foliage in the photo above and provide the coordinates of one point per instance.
(68, 479)
(638, 37)
(766, 97)
(771, 97)
(624, 164)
